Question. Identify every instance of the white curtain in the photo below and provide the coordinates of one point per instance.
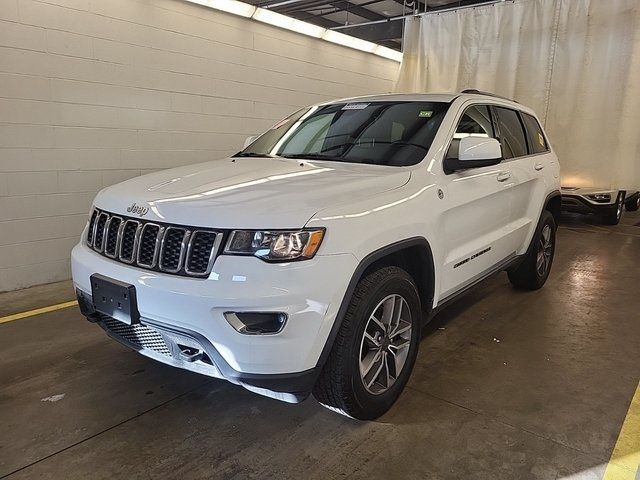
(576, 62)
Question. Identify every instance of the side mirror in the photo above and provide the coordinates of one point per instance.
(475, 152)
(250, 140)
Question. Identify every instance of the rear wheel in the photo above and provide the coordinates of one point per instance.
(375, 349)
(533, 271)
(633, 205)
(613, 218)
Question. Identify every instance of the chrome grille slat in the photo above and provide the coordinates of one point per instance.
(129, 241)
(112, 237)
(198, 262)
(148, 245)
(173, 249)
(99, 232)
(90, 230)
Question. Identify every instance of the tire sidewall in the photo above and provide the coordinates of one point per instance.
(615, 214)
(547, 219)
(374, 405)
(620, 206)
(633, 205)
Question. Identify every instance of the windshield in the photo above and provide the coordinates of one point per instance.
(379, 133)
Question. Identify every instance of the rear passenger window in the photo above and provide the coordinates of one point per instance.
(537, 142)
(512, 137)
(475, 122)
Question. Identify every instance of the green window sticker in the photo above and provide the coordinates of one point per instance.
(425, 113)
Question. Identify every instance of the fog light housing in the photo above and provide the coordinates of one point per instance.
(257, 323)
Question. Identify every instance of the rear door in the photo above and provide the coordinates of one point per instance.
(521, 185)
(543, 165)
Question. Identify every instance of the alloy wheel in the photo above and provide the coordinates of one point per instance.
(385, 343)
(619, 211)
(545, 250)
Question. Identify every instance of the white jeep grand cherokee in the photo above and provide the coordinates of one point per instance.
(309, 261)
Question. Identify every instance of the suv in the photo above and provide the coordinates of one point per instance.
(309, 261)
(605, 202)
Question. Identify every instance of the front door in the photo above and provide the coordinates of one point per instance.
(476, 211)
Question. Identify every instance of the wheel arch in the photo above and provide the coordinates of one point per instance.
(413, 255)
(553, 204)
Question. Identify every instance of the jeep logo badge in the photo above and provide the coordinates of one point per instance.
(138, 210)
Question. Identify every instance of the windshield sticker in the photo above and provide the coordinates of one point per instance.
(425, 113)
(355, 106)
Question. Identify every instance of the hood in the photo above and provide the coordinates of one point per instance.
(258, 193)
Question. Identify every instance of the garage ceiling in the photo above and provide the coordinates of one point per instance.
(373, 20)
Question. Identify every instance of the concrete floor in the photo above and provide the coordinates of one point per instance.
(545, 401)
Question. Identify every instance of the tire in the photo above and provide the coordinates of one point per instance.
(615, 216)
(341, 386)
(531, 274)
(632, 205)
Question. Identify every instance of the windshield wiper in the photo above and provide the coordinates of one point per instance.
(253, 154)
(311, 156)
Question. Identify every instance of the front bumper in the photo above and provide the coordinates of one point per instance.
(180, 311)
(581, 204)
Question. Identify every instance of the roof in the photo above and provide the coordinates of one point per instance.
(426, 97)
(480, 96)
(399, 97)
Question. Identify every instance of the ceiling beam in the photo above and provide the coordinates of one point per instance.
(315, 19)
(412, 5)
(277, 3)
(287, 7)
(358, 10)
(298, 5)
(377, 32)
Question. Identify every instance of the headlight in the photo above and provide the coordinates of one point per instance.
(277, 245)
(601, 197)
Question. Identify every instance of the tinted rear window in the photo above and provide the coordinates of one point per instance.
(512, 137)
(537, 142)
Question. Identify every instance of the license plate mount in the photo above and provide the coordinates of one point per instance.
(115, 299)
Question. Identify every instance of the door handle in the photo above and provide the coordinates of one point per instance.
(538, 166)
(503, 176)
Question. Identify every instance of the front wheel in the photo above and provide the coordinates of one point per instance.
(614, 217)
(376, 347)
(533, 271)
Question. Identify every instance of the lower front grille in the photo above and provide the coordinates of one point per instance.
(570, 201)
(138, 335)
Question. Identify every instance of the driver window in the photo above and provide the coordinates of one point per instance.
(475, 122)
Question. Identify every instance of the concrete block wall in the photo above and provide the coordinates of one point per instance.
(93, 92)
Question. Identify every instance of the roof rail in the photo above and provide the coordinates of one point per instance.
(489, 94)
